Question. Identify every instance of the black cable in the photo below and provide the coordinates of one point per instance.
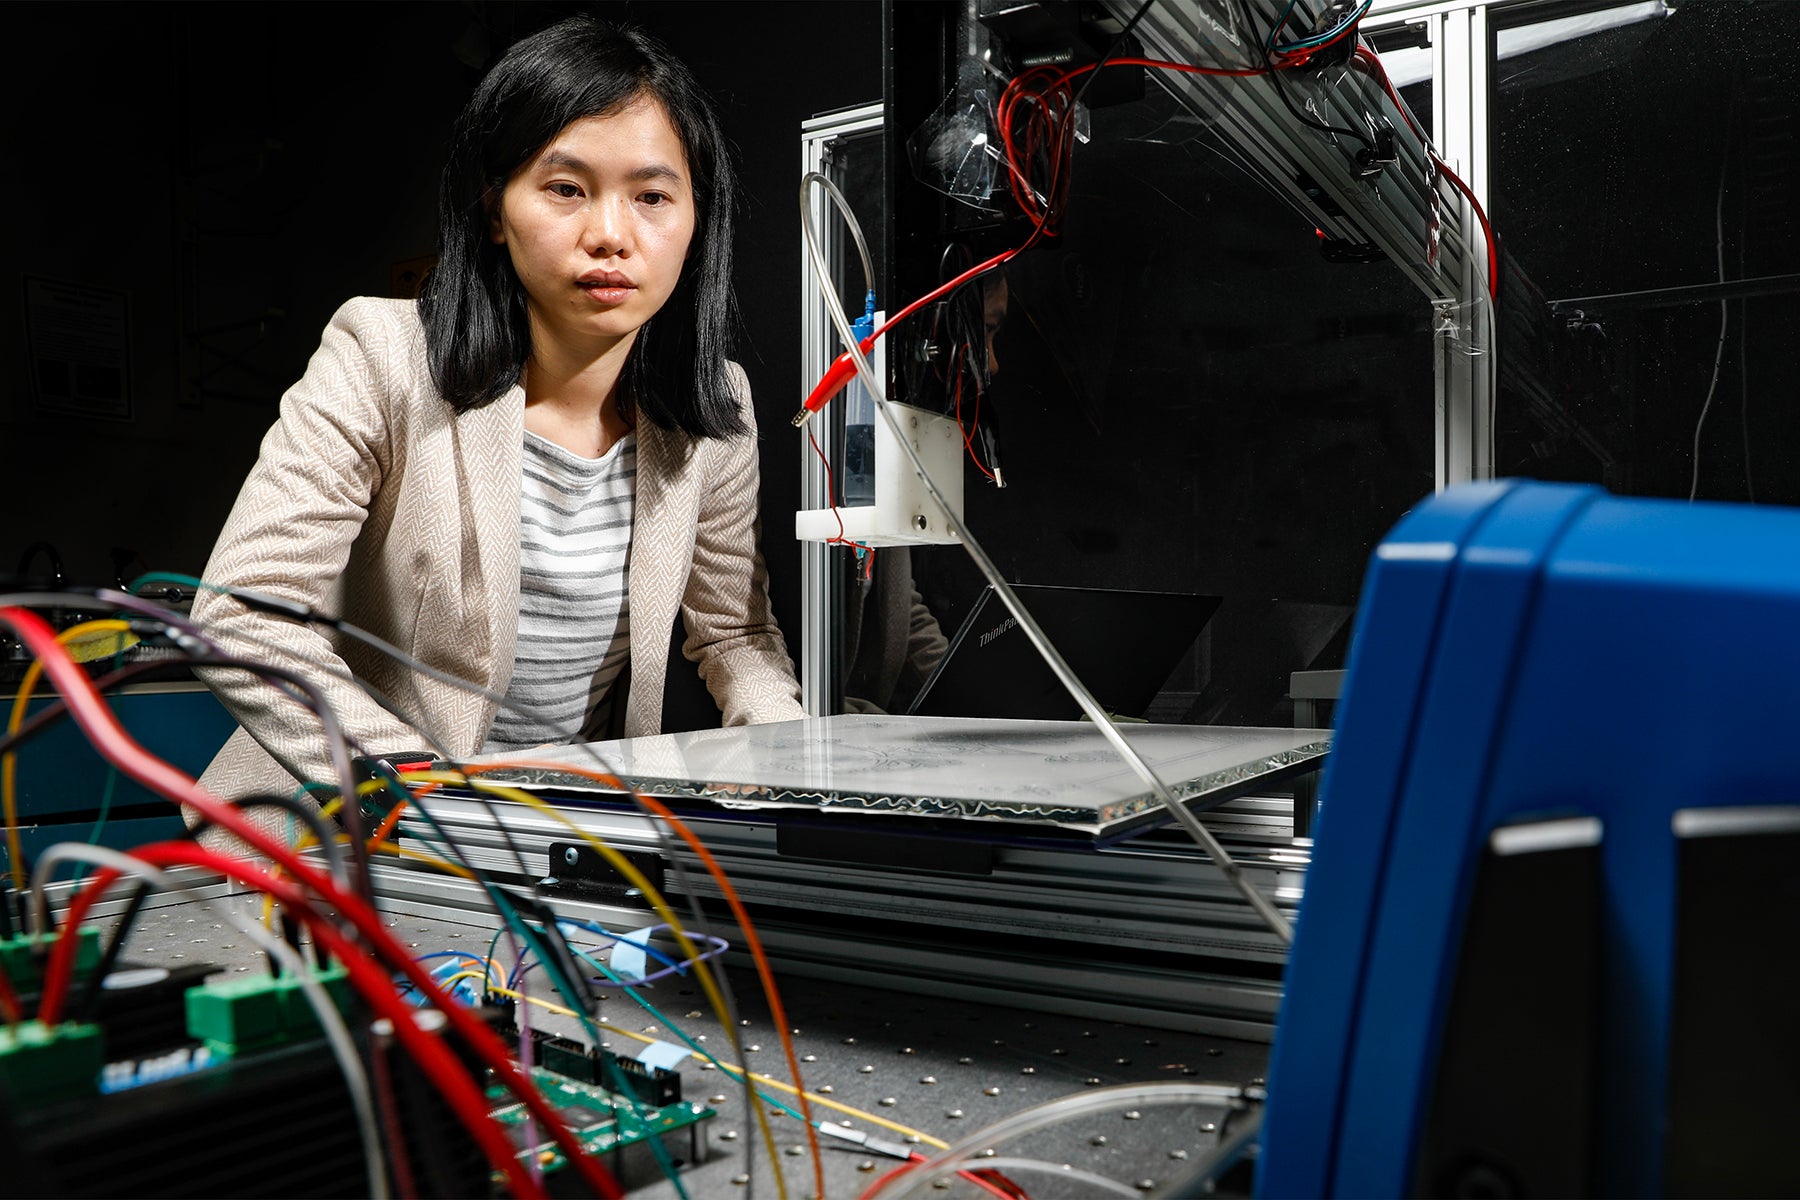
(84, 1009)
(153, 620)
(305, 814)
(1275, 79)
(1111, 52)
(307, 615)
(58, 709)
(278, 606)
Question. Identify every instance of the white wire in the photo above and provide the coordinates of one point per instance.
(1065, 1108)
(862, 246)
(330, 1020)
(1263, 907)
(1724, 317)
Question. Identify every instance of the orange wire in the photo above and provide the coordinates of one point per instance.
(393, 818)
(776, 1012)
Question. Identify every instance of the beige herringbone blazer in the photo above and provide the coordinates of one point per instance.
(372, 499)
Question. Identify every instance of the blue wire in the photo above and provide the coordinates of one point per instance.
(675, 1029)
(596, 927)
(523, 967)
(462, 954)
(1329, 34)
(1275, 29)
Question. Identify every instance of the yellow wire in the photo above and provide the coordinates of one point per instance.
(9, 762)
(618, 861)
(790, 1089)
(326, 812)
(442, 864)
(635, 877)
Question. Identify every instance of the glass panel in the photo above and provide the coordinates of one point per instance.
(1014, 771)
(1644, 175)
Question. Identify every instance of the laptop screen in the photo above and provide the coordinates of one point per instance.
(1122, 644)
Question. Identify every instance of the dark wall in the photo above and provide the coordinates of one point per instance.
(1632, 166)
(227, 175)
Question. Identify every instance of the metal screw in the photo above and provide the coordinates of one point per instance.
(571, 855)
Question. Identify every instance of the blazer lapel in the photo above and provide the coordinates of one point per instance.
(490, 443)
(662, 536)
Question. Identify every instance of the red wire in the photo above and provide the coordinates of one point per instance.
(831, 498)
(446, 1074)
(765, 973)
(874, 1189)
(968, 432)
(9, 1000)
(429, 1051)
(1290, 59)
(1370, 59)
(96, 720)
(927, 298)
(991, 1182)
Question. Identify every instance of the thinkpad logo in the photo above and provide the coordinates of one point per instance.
(999, 629)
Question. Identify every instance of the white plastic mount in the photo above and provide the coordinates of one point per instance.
(904, 513)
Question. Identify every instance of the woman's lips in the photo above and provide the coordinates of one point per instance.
(608, 293)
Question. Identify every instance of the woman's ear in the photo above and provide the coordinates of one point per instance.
(491, 202)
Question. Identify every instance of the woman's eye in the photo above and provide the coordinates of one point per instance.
(567, 191)
(654, 198)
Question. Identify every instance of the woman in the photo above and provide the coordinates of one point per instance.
(522, 477)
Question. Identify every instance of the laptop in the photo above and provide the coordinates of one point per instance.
(1122, 644)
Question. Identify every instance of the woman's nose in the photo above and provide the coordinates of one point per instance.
(608, 232)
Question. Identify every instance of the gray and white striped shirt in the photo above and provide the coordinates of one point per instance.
(574, 610)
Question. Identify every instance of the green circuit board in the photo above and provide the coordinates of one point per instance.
(601, 1120)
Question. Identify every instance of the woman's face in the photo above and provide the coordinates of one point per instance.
(598, 226)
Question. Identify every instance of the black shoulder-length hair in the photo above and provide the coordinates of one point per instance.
(473, 306)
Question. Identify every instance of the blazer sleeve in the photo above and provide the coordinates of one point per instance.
(732, 635)
(290, 534)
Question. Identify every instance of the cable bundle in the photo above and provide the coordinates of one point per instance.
(335, 905)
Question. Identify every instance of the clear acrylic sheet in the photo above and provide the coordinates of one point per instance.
(1058, 772)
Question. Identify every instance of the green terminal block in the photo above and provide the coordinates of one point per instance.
(22, 957)
(40, 1065)
(298, 1017)
(238, 1016)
